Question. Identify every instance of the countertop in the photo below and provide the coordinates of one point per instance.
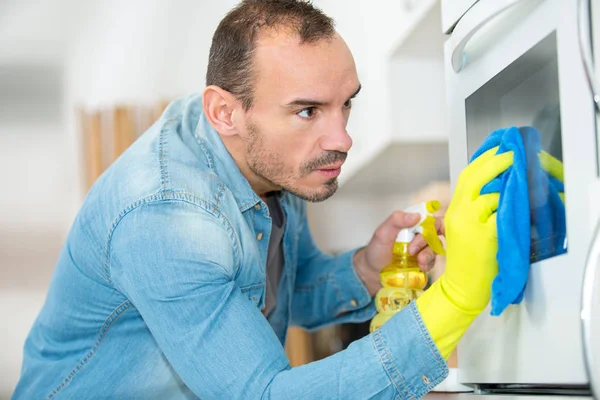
(471, 396)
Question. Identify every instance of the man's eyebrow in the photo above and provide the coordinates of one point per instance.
(316, 103)
(356, 93)
(306, 103)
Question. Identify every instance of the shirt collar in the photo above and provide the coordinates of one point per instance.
(223, 164)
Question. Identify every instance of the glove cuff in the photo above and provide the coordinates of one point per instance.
(445, 321)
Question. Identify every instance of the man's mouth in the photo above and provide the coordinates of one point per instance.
(330, 171)
(330, 167)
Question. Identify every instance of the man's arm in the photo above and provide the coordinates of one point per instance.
(328, 288)
(180, 279)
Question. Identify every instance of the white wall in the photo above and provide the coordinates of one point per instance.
(347, 222)
(141, 50)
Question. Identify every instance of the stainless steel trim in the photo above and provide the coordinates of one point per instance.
(587, 297)
(585, 46)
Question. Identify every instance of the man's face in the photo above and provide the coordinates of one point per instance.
(295, 133)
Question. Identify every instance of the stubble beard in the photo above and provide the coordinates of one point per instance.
(270, 167)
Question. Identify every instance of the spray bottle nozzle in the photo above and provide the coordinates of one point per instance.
(425, 226)
(432, 206)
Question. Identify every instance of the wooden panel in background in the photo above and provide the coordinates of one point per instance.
(124, 132)
(92, 142)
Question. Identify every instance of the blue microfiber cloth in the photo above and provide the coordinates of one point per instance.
(528, 198)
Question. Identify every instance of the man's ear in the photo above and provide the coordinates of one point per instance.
(218, 105)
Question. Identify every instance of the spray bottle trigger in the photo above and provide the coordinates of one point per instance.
(431, 237)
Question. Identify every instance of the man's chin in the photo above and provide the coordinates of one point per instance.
(316, 195)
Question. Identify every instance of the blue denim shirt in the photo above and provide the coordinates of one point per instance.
(158, 290)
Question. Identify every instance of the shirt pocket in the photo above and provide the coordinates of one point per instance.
(256, 294)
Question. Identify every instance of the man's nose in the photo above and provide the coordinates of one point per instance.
(337, 137)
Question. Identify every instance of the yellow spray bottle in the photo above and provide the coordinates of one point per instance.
(402, 280)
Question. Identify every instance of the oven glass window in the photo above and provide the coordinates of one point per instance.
(526, 95)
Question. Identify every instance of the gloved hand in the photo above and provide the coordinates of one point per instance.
(450, 305)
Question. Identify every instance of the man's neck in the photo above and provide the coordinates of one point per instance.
(260, 185)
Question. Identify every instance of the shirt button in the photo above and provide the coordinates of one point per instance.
(257, 207)
(425, 380)
(353, 303)
(259, 236)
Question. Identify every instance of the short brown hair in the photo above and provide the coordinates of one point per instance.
(230, 60)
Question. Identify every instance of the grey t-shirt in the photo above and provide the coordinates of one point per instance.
(275, 252)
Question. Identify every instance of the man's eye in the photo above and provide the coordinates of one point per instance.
(348, 104)
(307, 113)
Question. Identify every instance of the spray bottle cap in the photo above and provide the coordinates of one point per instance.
(425, 226)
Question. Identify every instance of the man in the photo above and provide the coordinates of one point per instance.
(192, 255)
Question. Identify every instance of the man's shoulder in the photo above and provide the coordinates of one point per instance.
(165, 163)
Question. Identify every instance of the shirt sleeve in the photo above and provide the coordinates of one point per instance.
(176, 262)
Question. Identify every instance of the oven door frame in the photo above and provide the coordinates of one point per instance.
(502, 351)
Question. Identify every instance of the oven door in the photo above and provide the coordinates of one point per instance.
(452, 11)
(517, 63)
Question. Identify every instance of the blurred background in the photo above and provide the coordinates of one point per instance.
(80, 81)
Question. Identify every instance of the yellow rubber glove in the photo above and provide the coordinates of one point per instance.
(554, 167)
(463, 291)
